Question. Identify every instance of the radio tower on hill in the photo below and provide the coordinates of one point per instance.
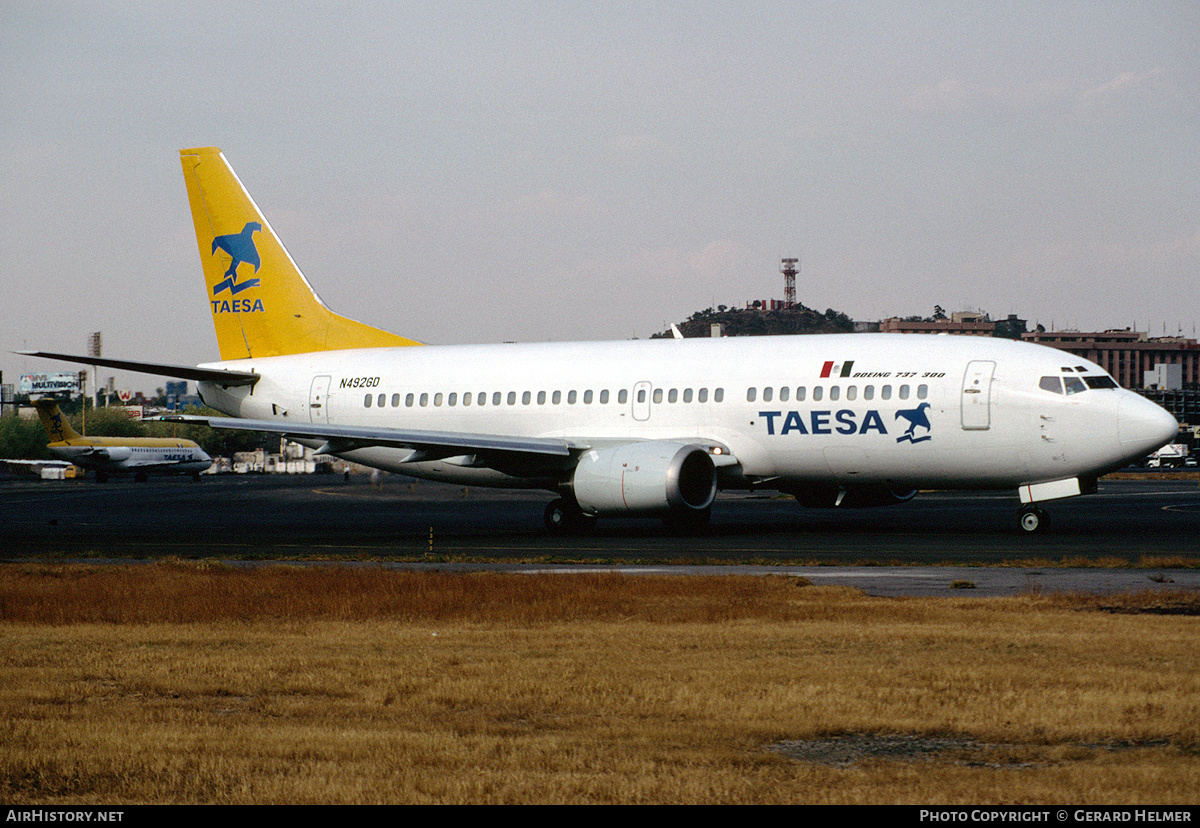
(789, 268)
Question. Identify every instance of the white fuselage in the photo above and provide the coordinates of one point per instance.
(109, 456)
(893, 409)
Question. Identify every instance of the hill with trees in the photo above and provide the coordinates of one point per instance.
(757, 321)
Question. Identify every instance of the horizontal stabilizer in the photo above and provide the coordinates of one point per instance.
(217, 375)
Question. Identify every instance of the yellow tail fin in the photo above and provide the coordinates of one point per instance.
(261, 303)
(54, 422)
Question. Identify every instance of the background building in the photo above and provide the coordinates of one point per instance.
(970, 323)
(1131, 356)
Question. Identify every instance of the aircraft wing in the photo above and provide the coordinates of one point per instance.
(34, 466)
(217, 375)
(427, 445)
(38, 464)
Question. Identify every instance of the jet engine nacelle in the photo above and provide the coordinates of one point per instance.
(649, 477)
(850, 497)
(115, 454)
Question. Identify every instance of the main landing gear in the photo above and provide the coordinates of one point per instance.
(563, 517)
(1033, 519)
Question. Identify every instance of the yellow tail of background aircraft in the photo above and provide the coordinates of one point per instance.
(651, 428)
(106, 456)
(261, 303)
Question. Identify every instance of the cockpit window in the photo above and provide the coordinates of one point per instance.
(1076, 385)
(1051, 384)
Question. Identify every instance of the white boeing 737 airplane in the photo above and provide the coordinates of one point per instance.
(646, 428)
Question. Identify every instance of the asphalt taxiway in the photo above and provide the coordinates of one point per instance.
(261, 517)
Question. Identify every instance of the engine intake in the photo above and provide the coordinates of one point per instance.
(648, 477)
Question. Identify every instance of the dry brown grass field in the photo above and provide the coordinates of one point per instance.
(185, 683)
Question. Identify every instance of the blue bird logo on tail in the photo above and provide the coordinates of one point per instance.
(240, 247)
(916, 417)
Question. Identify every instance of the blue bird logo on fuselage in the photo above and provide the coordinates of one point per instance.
(916, 417)
(240, 247)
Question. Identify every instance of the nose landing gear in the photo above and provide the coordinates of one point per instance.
(1033, 519)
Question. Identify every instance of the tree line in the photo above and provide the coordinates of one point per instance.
(24, 438)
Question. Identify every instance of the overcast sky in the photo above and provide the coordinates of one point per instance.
(478, 172)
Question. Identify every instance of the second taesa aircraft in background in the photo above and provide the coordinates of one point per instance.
(645, 428)
(108, 456)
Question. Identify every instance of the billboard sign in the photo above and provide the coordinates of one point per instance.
(49, 383)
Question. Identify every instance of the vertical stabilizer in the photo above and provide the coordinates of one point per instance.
(54, 422)
(260, 301)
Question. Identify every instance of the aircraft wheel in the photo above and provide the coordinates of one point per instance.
(1034, 520)
(563, 518)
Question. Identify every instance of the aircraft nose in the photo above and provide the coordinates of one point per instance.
(1143, 425)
